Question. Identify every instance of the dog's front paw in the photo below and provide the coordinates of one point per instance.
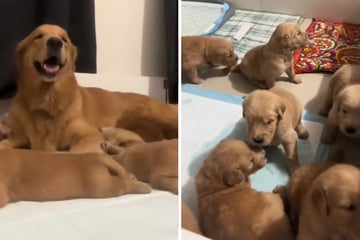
(296, 79)
(197, 80)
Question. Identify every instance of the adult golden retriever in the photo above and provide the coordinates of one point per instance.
(263, 64)
(52, 112)
(273, 117)
(229, 208)
(202, 50)
(45, 176)
(342, 104)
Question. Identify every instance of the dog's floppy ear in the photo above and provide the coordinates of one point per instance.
(319, 199)
(280, 109)
(234, 176)
(285, 41)
(20, 51)
(73, 53)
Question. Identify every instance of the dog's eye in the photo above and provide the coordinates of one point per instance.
(39, 36)
(344, 111)
(350, 207)
(270, 121)
(64, 39)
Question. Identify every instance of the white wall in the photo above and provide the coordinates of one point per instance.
(131, 44)
(337, 10)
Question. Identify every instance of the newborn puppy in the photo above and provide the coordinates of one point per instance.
(263, 64)
(228, 207)
(43, 176)
(343, 102)
(154, 162)
(274, 117)
(201, 50)
(330, 207)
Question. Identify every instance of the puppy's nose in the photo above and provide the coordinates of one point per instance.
(54, 43)
(258, 139)
(350, 130)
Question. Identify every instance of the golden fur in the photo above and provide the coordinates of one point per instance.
(274, 117)
(342, 104)
(41, 176)
(201, 50)
(188, 219)
(52, 112)
(263, 64)
(329, 208)
(229, 208)
(154, 162)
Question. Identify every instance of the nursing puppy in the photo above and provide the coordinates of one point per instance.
(154, 162)
(263, 64)
(201, 50)
(40, 176)
(229, 208)
(342, 104)
(52, 112)
(274, 117)
(329, 209)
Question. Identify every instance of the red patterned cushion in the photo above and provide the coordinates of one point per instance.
(331, 45)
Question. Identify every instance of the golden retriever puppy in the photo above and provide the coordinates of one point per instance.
(329, 209)
(342, 104)
(52, 112)
(43, 176)
(118, 137)
(263, 64)
(201, 50)
(229, 208)
(188, 219)
(274, 117)
(154, 162)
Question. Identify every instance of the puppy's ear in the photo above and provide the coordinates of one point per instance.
(280, 109)
(285, 39)
(234, 176)
(319, 199)
(73, 53)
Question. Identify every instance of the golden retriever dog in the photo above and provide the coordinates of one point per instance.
(274, 117)
(263, 64)
(154, 162)
(229, 208)
(188, 219)
(52, 112)
(342, 104)
(42, 176)
(202, 50)
(329, 209)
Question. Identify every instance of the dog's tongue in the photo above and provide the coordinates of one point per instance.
(51, 69)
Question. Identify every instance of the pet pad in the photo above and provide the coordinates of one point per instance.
(209, 116)
(331, 45)
(259, 26)
(203, 17)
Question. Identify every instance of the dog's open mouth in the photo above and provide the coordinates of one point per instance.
(50, 67)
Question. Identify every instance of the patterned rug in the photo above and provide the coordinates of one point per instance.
(332, 44)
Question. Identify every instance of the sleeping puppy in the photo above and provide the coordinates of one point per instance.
(154, 162)
(42, 176)
(229, 208)
(342, 104)
(201, 50)
(263, 64)
(51, 112)
(329, 209)
(274, 117)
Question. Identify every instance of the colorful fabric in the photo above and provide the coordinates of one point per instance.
(332, 44)
(264, 25)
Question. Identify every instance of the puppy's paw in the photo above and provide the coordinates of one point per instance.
(296, 79)
(197, 80)
(303, 133)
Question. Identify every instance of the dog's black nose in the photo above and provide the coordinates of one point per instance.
(54, 43)
(258, 140)
(350, 130)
